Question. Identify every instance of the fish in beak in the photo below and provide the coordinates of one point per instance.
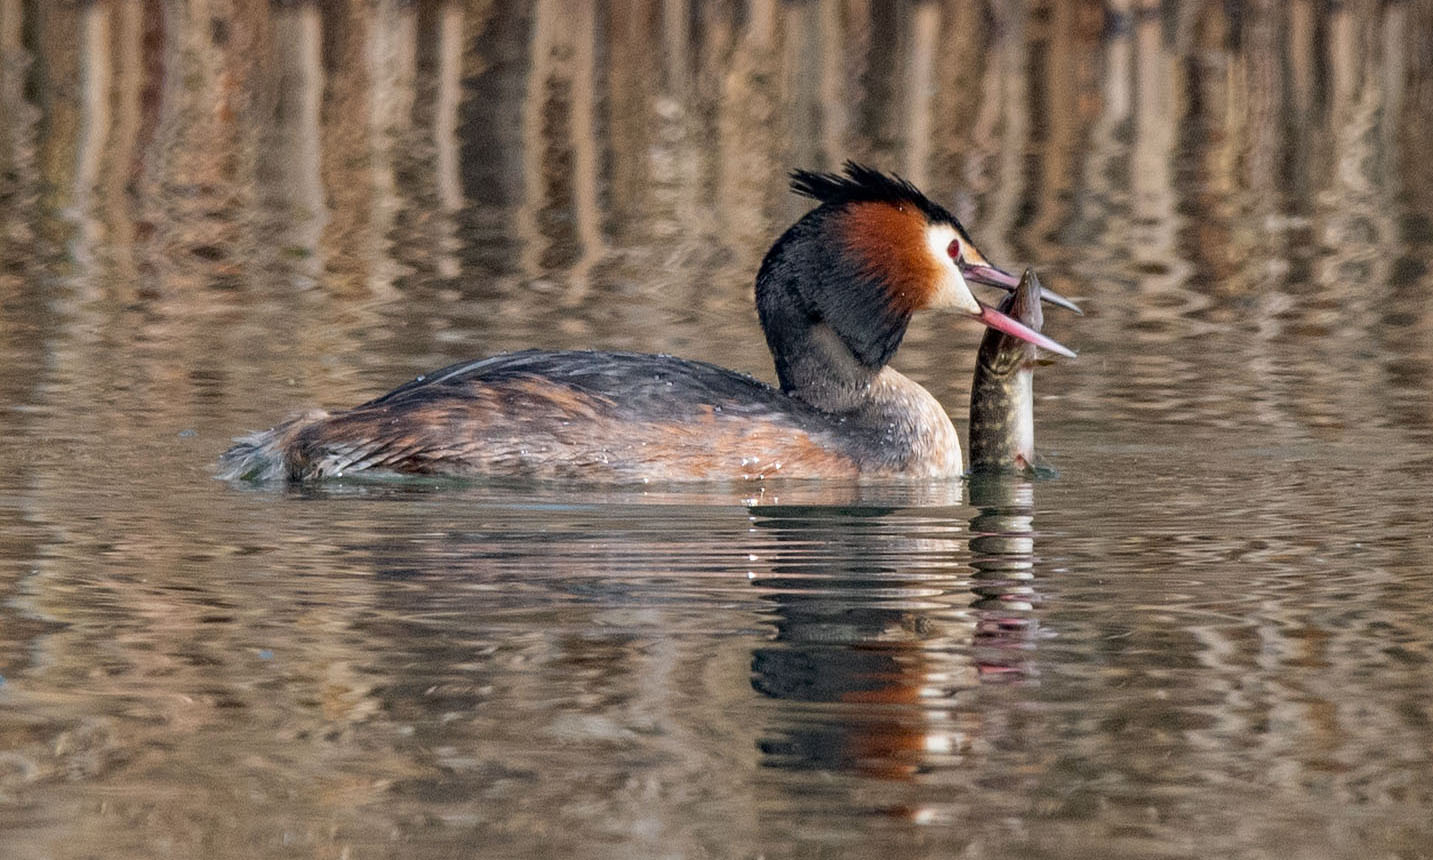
(1002, 399)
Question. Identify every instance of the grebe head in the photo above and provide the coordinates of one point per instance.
(858, 265)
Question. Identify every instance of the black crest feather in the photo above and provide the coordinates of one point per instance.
(861, 184)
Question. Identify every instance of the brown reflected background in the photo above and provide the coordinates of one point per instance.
(465, 177)
(216, 212)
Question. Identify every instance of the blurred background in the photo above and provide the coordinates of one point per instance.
(259, 185)
(216, 212)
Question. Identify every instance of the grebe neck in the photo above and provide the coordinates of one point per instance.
(831, 342)
(815, 367)
(827, 325)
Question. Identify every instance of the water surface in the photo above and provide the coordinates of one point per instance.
(1211, 635)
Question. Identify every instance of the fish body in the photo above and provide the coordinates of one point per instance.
(1002, 395)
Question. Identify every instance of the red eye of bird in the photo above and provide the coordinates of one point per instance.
(953, 249)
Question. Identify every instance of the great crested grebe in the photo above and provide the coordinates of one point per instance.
(834, 294)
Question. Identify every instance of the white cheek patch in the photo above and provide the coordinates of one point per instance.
(950, 291)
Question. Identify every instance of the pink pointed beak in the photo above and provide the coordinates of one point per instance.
(1013, 327)
(995, 277)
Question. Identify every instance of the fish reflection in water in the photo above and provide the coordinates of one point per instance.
(878, 641)
(1002, 552)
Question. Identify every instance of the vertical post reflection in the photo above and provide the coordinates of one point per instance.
(677, 45)
(835, 82)
(1007, 86)
(1392, 73)
(93, 132)
(392, 53)
(1156, 118)
(920, 87)
(1408, 84)
(124, 141)
(17, 144)
(1102, 211)
(585, 168)
(1063, 52)
(14, 62)
(802, 65)
(1262, 91)
(647, 94)
(445, 136)
(1300, 60)
(63, 80)
(748, 151)
(560, 146)
(290, 171)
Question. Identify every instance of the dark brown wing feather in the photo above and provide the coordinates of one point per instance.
(564, 414)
